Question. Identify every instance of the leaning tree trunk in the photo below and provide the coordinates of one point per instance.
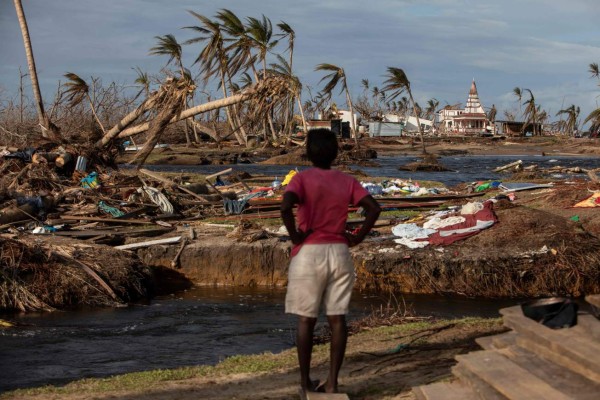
(49, 130)
(352, 124)
(418, 122)
(125, 122)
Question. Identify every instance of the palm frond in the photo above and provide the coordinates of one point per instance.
(77, 88)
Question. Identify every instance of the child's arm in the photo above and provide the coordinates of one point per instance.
(287, 215)
(372, 210)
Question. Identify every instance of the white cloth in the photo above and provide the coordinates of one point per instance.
(437, 223)
(471, 208)
(411, 231)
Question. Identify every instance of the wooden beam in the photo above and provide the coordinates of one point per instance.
(148, 243)
(161, 178)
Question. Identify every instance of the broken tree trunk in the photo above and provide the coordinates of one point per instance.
(213, 105)
(125, 122)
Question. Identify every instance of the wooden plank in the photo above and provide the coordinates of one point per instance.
(326, 396)
(570, 383)
(588, 325)
(508, 378)
(102, 219)
(226, 171)
(444, 391)
(568, 347)
(124, 231)
(481, 388)
(148, 243)
(161, 178)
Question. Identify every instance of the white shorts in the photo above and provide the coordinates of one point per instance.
(320, 274)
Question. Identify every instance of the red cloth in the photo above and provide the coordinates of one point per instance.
(487, 214)
(324, 196)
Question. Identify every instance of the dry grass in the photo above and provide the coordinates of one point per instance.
(37, 276)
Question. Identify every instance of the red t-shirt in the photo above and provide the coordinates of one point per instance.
(324, 195)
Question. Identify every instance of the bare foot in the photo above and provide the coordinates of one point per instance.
(325, 387)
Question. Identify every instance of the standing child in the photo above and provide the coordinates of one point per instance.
(321, 271)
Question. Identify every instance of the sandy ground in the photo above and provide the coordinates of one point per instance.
(380, 364)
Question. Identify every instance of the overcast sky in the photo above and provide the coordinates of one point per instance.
(542, 45)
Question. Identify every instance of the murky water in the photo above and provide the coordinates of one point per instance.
(200, 326)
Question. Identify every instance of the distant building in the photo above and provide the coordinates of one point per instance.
(518, 128)
(472, 120)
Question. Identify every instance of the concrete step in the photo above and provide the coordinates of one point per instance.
(496, 341)
(588, 325)
(444, 391)
(569, 347)
(494, 376)
(563, 379)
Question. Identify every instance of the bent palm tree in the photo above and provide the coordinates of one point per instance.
(594, 116)
(168, 45)
(338, 75)
(77, 90)
(284, 70)
(398, 83)
(49, 130)
(290, 34)
(572, 114)
(530, 113)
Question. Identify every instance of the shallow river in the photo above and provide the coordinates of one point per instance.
(199, 326)
(205, 325)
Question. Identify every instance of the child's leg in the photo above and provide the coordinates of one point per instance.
(304, 343)
(339, 338)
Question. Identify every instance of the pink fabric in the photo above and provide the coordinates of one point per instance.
(325, 195)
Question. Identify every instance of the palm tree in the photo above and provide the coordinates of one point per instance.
(517, 91)
(143, 79)
(261, 33)
(240, 44)
(594, 116)
(338, 75)
(572, 114)
(213, 60)
(398, 83)
(49, 130)
(168, 46)
(530, 113)
(432, 105)
(77, 90)
(288, 32)
(285, 70)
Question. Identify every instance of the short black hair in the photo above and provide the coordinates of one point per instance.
(321, 147)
